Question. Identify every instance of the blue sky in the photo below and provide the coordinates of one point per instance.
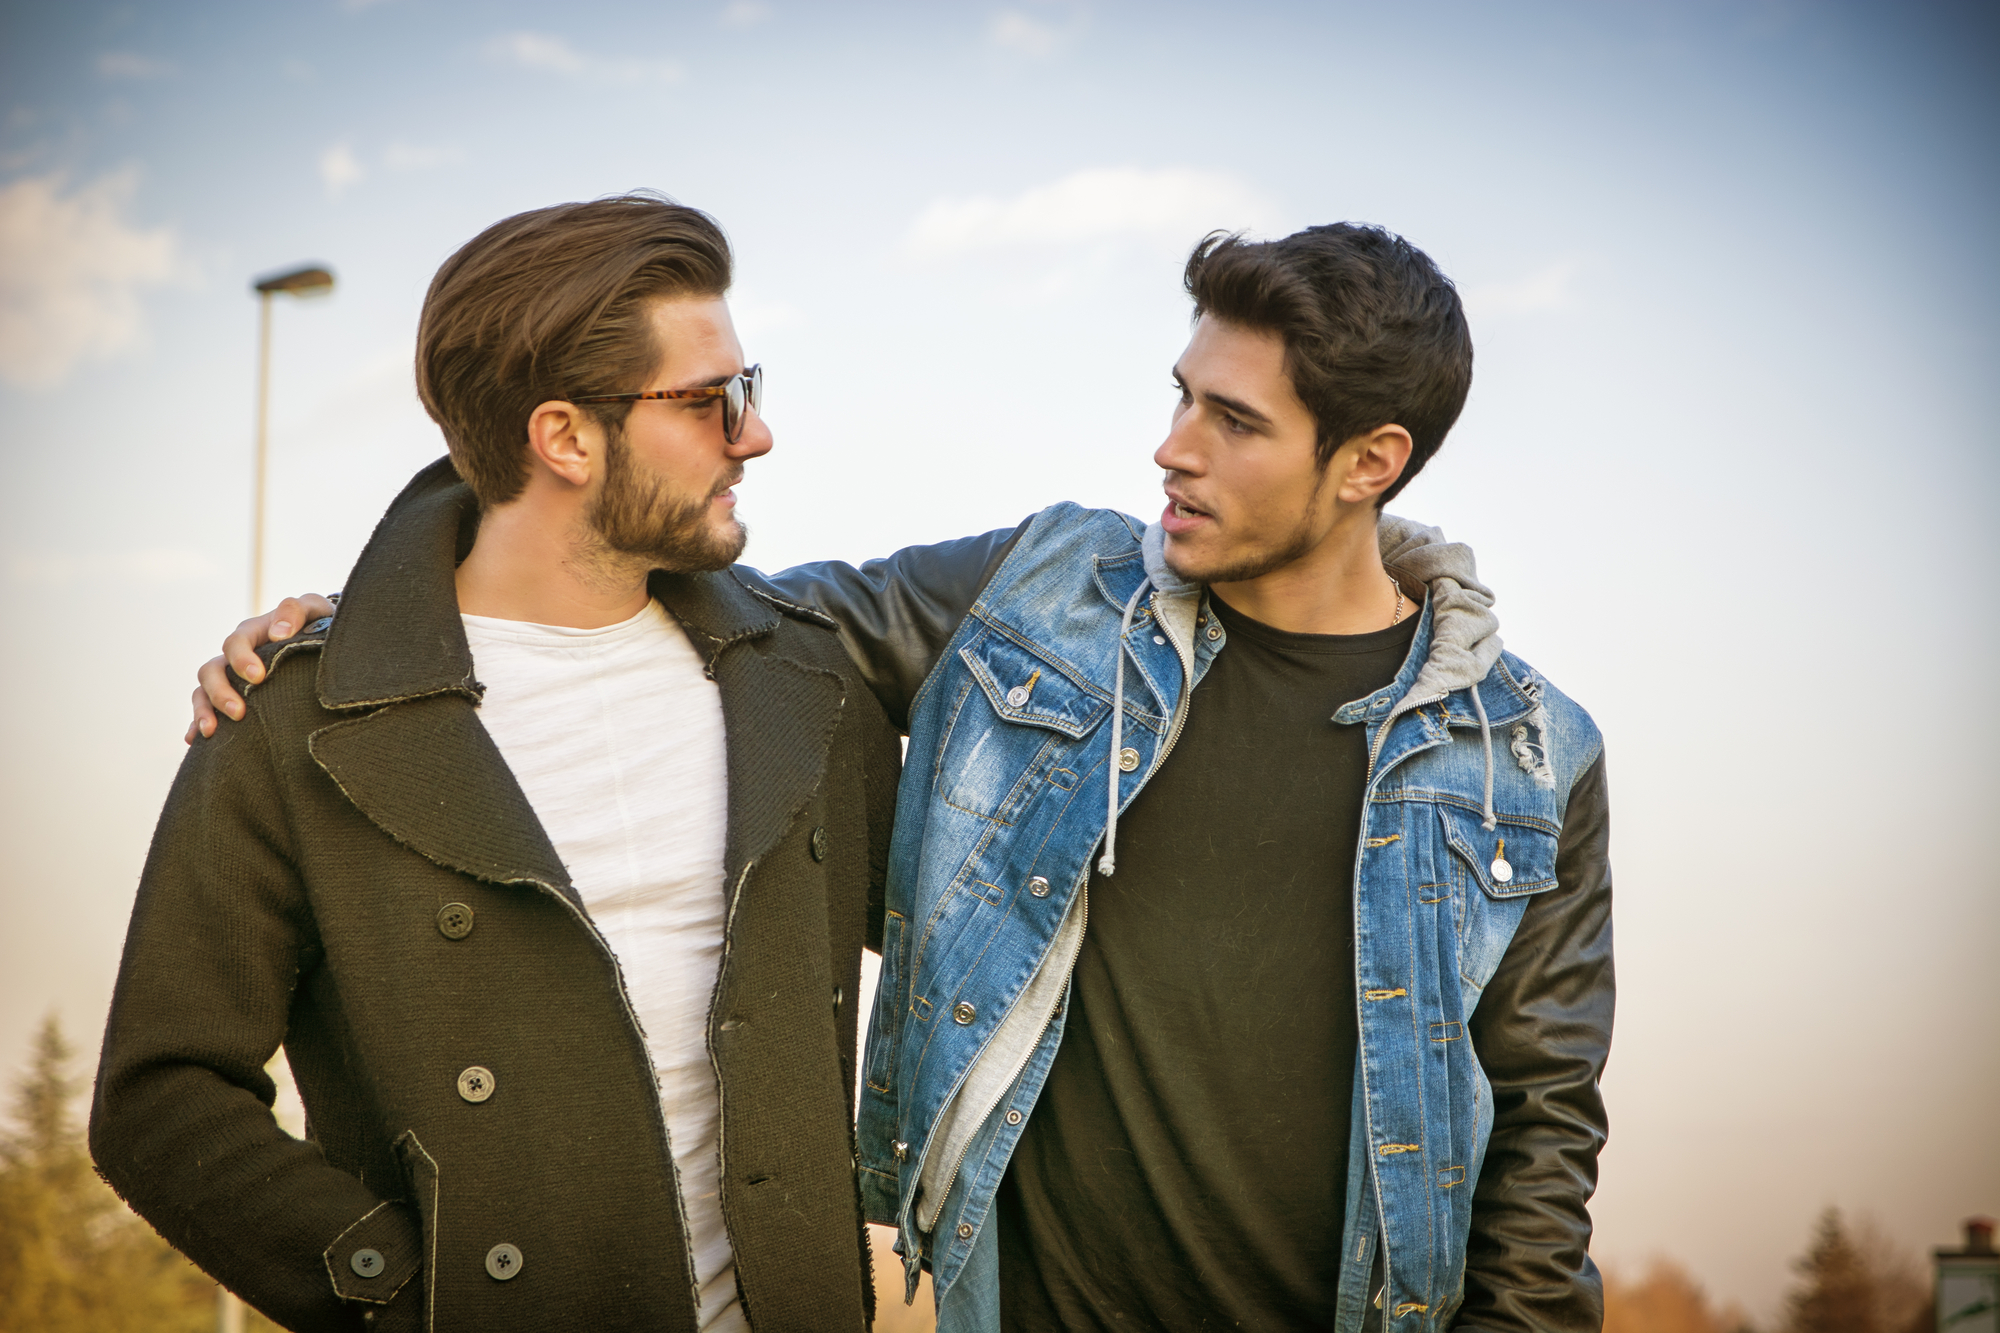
(1729, 458)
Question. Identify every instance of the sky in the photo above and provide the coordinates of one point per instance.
(1729, 459)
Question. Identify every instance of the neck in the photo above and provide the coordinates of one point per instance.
(534, 561)
(1337, 587)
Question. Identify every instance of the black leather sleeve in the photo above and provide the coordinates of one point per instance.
(896, 614)
(1542, 1031)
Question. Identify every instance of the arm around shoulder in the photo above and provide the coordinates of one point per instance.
(1543, 1032)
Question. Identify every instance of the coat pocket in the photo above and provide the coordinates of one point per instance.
(885, 1027)
(420, 1173)
(1509, 864)
(1015, 727)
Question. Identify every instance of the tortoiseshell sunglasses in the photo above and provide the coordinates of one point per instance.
(745, 389)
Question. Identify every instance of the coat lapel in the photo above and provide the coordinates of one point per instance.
(779, 713)
(420, 765)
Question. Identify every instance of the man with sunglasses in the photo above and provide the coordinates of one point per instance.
(550, 863)
(1247, 949)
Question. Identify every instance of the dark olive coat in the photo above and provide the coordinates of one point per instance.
(296, 893)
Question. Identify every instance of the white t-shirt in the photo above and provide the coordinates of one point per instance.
(616, 737)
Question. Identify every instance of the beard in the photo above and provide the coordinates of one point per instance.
(643, 518)
(1241, 567)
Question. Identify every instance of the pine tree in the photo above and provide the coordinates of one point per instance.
(1855, 1282)
(72, 1256)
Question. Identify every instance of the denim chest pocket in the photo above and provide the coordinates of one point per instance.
(1016, 727)
(1508, 864)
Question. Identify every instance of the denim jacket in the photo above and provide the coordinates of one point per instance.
(1072, 671)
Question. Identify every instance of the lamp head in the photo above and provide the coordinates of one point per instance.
(310, 281)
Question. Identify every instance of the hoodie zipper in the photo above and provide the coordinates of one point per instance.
(1027, 1053)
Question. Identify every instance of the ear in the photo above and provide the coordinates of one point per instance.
(1377, 460)
(567, 441)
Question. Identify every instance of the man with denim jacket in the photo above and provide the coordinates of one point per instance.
(1327, 1054)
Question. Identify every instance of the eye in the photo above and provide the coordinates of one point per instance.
(1234, 425)
(1182, 390)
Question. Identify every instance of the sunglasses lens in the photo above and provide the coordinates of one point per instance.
(732, 409)
(756, 375)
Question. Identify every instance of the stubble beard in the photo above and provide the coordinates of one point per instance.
(1296, 545)
(639, 519)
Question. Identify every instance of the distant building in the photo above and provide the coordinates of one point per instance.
(1968, 1282)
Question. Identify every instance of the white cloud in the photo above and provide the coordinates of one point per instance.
(1011, 30)
(131, 65)
(743, 13)
(339, 168)
(1173, 204)
(1552, 287)
(401, 156)
(71, 269)
(152, 566)
(546, 52)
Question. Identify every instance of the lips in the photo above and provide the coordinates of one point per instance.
(1180, 518)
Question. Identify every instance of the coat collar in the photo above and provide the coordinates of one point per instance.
(423, 769)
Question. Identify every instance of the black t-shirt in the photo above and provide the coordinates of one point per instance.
(1186, 1166)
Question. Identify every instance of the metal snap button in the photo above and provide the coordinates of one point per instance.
(1039, 887)
(454, 921)
(1128, 759)
(902, 1151)
(1013, 1117)
(503, 1262)
(1214, 632)
(476, 1083)
(366, 1263)
(1159, 638)
(838, 993)
(1018, 696)
(1501, 870)
(819, 843)
(965, 1231)
(963, 1013)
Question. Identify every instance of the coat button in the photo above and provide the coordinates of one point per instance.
(838, 995)
(366, 1263)
(476, 1083)
(965, 1231)
(902, 1151)
(963, 1013)
(1214, 633)
(503, 1261)
(1128, 759)
(1159, 638)
(819, 843)
(454, 921)
(1013, 1117)
(1017, 696)
(1501, 870)
(1039, 887)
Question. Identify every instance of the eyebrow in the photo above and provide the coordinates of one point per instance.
(1235, 405)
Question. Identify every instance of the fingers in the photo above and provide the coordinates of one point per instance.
(217, 691)
(204, 718)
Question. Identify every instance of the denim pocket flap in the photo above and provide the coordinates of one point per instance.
(1509, 860)
(1024, 687)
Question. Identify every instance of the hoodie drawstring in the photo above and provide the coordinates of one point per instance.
(1485, 739)
(1108, 863)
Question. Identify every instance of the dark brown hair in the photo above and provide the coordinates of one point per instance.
(549, 304)
(1374, 332)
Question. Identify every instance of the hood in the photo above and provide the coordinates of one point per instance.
(1465, 634)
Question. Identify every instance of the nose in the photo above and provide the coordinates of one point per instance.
(1178, 452)
(755, 441)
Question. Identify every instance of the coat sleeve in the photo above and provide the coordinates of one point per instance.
(181, 1122)
(896, 614)
(1543, 1031)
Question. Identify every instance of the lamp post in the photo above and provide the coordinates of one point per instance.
(313, 280)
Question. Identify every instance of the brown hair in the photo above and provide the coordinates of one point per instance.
(549, 304)
(1374, 332)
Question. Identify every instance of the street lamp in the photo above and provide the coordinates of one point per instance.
(312, 280)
